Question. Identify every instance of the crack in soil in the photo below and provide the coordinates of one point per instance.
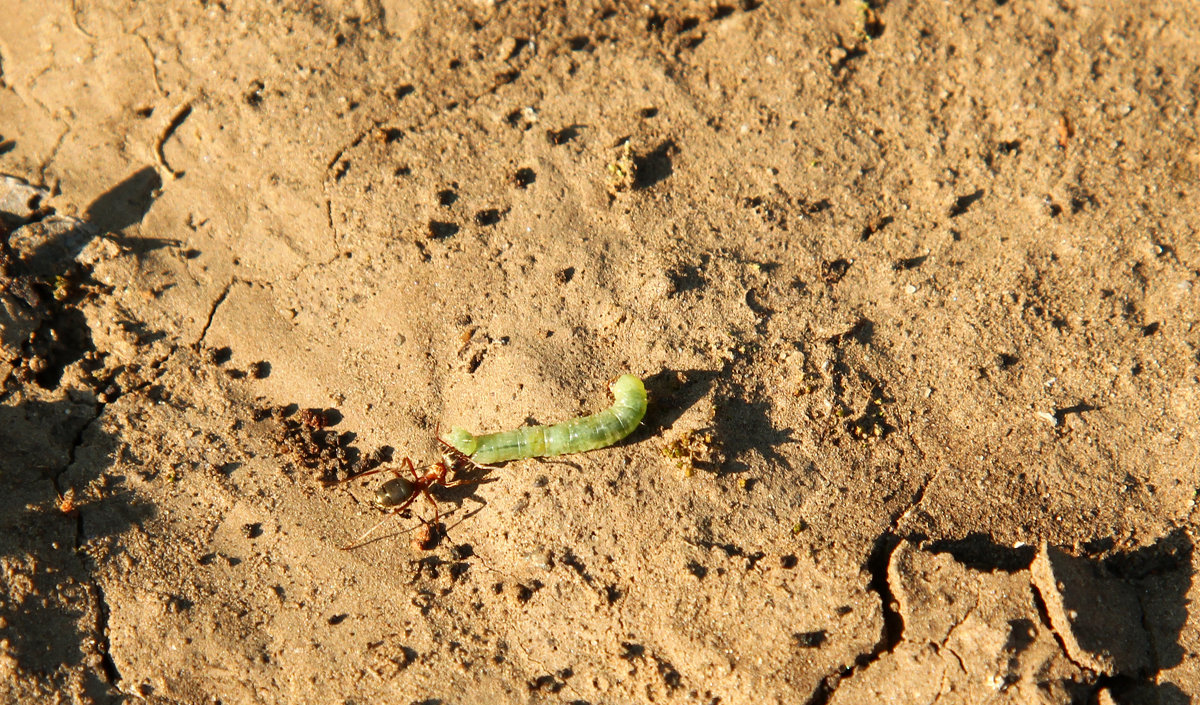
(153, 61)
(175, 122)
(108, 666)
(893, 622)
(1043, 611)
(103, 647)
(58, 143)
(75, 443)
(212, 312)
(917, 498)
(333, 234)
(100, 628)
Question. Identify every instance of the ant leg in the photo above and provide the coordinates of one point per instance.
(408, 463)
(361, 540)
(439, 478)
(429, 498)
(352, 478)
(437, 517)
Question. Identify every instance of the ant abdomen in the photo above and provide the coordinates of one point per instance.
(394, 492)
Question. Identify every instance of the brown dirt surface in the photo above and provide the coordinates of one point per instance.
(914, 288)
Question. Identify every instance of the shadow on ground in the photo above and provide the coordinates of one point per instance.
(53, 614)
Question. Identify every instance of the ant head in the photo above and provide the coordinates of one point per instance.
(394, 492)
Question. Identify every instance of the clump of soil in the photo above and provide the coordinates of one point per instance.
(303, 436)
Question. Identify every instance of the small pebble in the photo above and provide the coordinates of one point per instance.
(540, 558)
(1047, 417)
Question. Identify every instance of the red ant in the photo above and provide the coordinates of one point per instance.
(398, 493)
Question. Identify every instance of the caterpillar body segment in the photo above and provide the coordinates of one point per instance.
(574, 436)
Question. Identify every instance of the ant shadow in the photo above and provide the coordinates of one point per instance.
(437, 532)
(127, 204)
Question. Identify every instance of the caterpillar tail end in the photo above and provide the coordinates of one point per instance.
(462, 440)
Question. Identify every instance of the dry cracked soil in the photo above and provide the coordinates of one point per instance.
(913, 286)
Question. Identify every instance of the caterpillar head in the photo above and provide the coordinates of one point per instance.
(462, 440)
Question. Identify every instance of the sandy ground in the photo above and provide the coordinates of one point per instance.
(914, 287)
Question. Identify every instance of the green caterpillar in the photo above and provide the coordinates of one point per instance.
(574, 436)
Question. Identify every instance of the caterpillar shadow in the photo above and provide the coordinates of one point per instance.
(741, 423)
